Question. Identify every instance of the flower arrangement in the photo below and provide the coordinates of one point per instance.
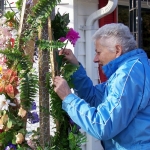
(18, 88)
(72, 138)
(19, 82)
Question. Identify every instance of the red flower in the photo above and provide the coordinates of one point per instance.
(1, 130)
(12, 41)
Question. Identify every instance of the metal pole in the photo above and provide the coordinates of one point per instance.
(139, 39)
(135, 20)
(1, 8)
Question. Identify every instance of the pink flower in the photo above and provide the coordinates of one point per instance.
(31, 144)
(3, 60)
(71, 36)
(5, 36)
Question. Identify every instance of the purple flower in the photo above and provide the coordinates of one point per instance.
(71, 122)
(71, 36)
(29, 2)
(33, 107)
(62, 39)
(11, 147)
(33, 117)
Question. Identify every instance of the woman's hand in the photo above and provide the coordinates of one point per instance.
(61, 87)
(69, 56)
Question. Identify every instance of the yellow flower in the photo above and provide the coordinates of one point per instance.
(1, 68)
(4, 118)
(19, 138)
(22, 112)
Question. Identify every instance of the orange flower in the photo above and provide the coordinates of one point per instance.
(9, 83)
(1, 125)
(2, 86)
(9, 89)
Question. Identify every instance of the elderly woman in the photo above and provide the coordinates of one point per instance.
(118, 110)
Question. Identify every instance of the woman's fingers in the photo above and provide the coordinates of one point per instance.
(61, 87)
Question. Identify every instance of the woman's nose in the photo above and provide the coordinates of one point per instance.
(96, 59)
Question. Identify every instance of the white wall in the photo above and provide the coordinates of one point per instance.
(84, 8)
(79, 10)
(67, 6)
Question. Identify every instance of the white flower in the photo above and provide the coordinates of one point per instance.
(14, 33)
(4, 104)
(18, 97)
(3, 20)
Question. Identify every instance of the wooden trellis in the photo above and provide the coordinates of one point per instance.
(43, 65)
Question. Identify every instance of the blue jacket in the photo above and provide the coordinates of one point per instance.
(117, 111)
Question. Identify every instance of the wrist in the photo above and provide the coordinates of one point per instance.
(66, 95)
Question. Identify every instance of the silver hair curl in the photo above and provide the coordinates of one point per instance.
(115, 34)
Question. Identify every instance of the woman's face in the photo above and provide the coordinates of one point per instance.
(103, 55)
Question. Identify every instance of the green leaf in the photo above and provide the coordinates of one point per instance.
(9, 124)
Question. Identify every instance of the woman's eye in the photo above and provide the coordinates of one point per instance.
(97, 53)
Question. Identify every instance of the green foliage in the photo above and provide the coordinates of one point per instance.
(67, 72)
(29, 83)
(11, 19)
(59, 25)
(41, 11)
(63, 140)
(28, 87)
(19, 4)
(43, 8)
(9, 15)
(6, 137)
(49, 45)
(18, 126)
(17, 58)
(75, 140)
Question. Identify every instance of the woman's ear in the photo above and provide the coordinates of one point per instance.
(118, 50)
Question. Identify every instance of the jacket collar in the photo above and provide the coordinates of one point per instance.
(113, 65)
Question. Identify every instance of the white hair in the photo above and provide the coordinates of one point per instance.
(115, 34)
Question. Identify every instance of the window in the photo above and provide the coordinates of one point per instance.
(123, 17)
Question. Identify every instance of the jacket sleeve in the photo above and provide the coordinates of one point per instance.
(84, 88)
(122, 99)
